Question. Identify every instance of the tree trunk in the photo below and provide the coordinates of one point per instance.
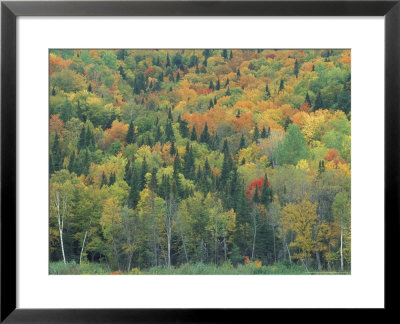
(341, 248)
(273, 233)
(83, 246)
(60, 219)
(318, 260)
(225, 248)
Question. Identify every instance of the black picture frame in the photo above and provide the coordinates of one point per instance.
(9, 13)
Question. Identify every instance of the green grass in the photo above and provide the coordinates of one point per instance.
(72, 268)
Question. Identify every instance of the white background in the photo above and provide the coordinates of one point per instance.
(363, 288)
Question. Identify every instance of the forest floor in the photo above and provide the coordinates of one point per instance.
(72, 268)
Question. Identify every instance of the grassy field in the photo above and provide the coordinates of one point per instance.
(72, 268)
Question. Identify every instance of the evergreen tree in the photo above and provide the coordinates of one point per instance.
(134, 192)
(153, 181)
(218, 85)
(231, 56)
(143, 174)
(89, 89)
(193, 136)
(226, 82)
(170, 114)
(205, 136)
(228, 92)
(267, 91)
(226, 164)
(158, 134)
(82, 139)
(238, 73)
(318, 102)
(169, 132)
(172, 149)
(188, 166)
(86, 163)
(266, 193)
(71, 165)
(281, 85)
(112, 178)
(56, 156)
(308, 100)
(256, 133)
(211, 86)
(211, 104)
(103, 180)
(183, 128)
(264, 132)
(296, 68)
(242, 143)
(288, 121)
(224, 53)
(130, 136)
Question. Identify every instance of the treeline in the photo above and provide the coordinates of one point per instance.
(162, 157)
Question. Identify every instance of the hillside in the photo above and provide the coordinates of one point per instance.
(168, 158)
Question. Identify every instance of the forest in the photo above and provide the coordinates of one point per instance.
(199, 161)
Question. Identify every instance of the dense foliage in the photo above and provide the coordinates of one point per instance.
(170, 158)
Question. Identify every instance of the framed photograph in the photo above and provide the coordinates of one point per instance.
(163, 158)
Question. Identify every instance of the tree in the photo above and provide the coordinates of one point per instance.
(242, 143)
(188, 166)
(300, 219)
(296, 68)
(256, 133)
(193, 136)
(205, 136)
(143, 174)
(130, 136)
(318, 102)
(56, 156)
(267, 91)
(293, 148)
(341, 213)
(169, 132)
(281, 85)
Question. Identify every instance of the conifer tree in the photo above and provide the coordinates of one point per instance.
(226, 82)
(288, 121)
(134, 192)
(56, 154)
(266, 193)
(264, 132)
(82, 139)
(130, 135)
(71, 165)
(103, 180)
(86, 163)
(211, 86)
(143, 174)
(193, 136)
(172, 149)
(296, 68)
(205, 136)
(169, 132)
(267, 91)
(308, 100)
(256, 133)
(218, 85)
(242, 143)
(318, 102)
(281, 85)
